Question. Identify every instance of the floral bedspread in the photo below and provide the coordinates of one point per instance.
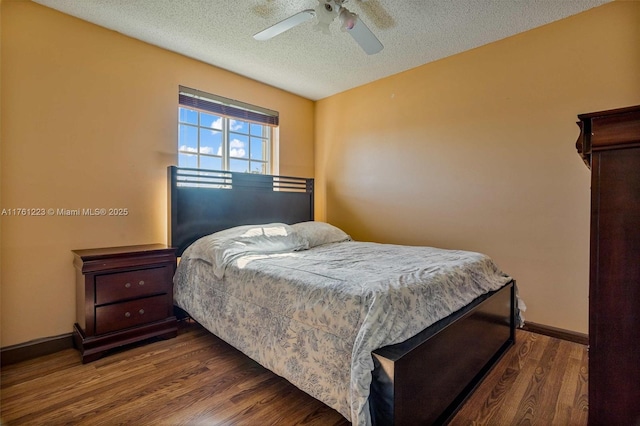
(314, 316)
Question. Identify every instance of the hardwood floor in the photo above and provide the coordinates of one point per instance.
(198, 379)
(541, 380)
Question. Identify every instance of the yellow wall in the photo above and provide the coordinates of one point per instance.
(0, 171)
(89, 121)
(476, 152)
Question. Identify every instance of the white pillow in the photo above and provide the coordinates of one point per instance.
(318, 233)
(223, 247)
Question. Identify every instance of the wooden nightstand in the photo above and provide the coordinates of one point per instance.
(123, 295)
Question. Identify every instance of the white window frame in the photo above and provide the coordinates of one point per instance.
(229, 111)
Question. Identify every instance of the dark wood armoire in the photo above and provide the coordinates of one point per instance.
(609, 144)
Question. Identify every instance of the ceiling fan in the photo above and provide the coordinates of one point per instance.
(326, 11)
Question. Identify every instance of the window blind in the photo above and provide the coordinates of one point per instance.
(227, 107)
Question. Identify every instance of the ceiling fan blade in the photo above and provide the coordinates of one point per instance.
(365, 38)
(285, 24)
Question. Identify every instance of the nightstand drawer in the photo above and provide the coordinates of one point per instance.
(130, 314)
(132, 284)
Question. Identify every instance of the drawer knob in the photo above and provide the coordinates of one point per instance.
(141, 282)
(141, 311)
(127, 285)
(127, 314)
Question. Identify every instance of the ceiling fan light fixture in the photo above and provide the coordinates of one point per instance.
(347, 19)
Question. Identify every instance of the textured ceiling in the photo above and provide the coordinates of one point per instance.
(307, 62)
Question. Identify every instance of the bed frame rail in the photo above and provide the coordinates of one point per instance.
(425, 379)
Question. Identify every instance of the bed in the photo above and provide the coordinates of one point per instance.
(384, 334)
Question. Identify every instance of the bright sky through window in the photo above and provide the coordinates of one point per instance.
(209, 141)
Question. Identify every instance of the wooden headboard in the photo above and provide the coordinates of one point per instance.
(201, 202)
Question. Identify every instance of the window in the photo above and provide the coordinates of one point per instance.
(223, 134)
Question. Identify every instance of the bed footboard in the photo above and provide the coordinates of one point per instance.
(425, 379)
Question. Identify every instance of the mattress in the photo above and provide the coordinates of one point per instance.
(314, 313)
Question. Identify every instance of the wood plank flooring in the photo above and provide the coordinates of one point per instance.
(198, 379)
